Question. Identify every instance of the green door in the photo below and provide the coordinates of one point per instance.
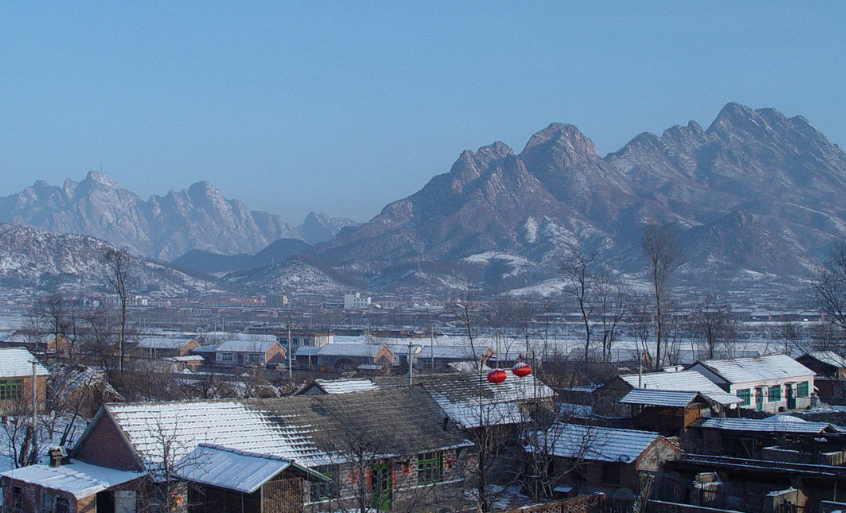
(759, 398)
(791, 397)
(381, 481)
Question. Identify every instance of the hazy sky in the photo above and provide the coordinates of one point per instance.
(344, 107)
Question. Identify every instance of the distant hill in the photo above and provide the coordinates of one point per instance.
(36, 261)
(161, 227)
(756, 194)
(209, 263)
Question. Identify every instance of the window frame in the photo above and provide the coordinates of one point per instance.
(745, 396)
(430, 468)
(774, 394)
(803, 389)
(11, 389)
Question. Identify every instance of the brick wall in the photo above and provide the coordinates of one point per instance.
(105, 446)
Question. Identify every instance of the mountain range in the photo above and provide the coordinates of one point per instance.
(161, 227)
(756, 197)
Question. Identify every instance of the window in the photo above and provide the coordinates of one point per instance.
(62, 505)
(774, 394)
(17, 498)
(611, 473)
(47, 503)
(320, 490)
(803, 389)
(430, 468)
(745, 397)
(11, 389)
(226, 357)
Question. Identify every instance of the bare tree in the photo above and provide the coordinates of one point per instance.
(712, 326)
(829, 285)
(99, 343)
(613, 300)
(580, 284)
(662, 253)
(63, 320)
(117, 262)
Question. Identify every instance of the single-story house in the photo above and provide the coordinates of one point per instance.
(830, 381)
(593, 459)
(304, 453)
(666, 411)
(769, 383)
(16, 370)
(607, 397)
(439, 357)
(165, 347)
(345, 355)
(249, 353)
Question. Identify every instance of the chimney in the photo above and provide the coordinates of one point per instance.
(58, 456)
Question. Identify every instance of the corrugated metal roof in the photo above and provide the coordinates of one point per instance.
(685, 381)
(659, 397)
(77, 478)
(17, 363)
(774, 424)
(761, 368)
(229, 468)
(596, 443)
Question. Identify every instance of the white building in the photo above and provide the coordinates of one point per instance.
(768, 383)
(356, 301)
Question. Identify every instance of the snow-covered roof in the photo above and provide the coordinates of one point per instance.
(460, 395)
(761, 368)
(245, 346)
(345, 386)
(685, 381)
(774, 424)
(829, 357)
(651, 397)
(303, 428)
(16, 362)
(453, 352)
(232, 469)
(308, 350)
(204, 349)
(596, 443)
(163, 343)
(77, 478)
(359, 350)
(188, 358)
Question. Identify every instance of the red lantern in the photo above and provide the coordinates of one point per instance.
(497, 376)
(521, 369)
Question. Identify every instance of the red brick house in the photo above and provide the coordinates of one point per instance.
(16, 368)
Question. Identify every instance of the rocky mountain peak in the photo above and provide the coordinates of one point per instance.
(101, 179)
(563, 138)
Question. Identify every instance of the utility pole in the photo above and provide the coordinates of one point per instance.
(290, 356)
(34, 411)
(410, 367)
(432, 348)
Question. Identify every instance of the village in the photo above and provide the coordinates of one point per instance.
(286, 418)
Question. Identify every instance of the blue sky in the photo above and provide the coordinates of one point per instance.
(342, 107)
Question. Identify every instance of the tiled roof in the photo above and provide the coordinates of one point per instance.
(17, 363)
(773, 424)
(311, 429)
(460, 395)
(596, 443)
(163, 343)
(244, 346)
(761, 368)
(685, 381)
(345, 386)
(77, 478)
(651, 397)
(360, 350)
(829, 357)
